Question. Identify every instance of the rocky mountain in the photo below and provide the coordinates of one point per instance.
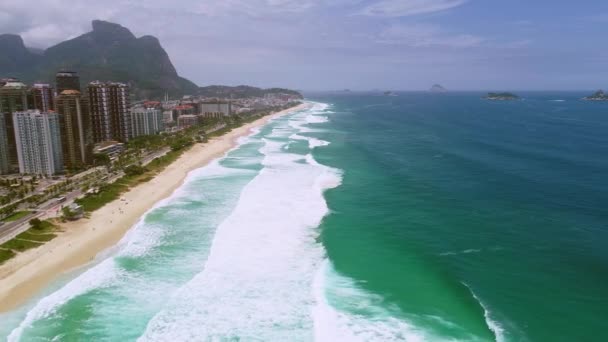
(14, 56)
(108, 52)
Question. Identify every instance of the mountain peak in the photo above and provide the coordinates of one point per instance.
(107, 29)
(11, 41)
(108, 52)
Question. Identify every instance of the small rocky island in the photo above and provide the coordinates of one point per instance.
(437, 88)
(597, 96)
(501, 97)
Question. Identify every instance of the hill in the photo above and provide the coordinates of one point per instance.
(242, 91)
(597, 96)
(109, 52)
(436, 88)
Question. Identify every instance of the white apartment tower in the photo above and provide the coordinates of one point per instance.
(38, 141)
(146, 121)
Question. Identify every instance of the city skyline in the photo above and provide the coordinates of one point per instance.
(388, 44)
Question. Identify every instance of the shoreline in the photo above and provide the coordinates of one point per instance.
(80, 242)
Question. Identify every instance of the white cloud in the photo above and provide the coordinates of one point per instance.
(52, 21)
(426, 36)
(403, 8)
(253, 7)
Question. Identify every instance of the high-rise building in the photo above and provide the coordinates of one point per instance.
(42, 96)
(4, 163)
(110, 111)
(4, 81)
(14, 97)
(146, 121)
(38, 140)
(215, 108)
(76, 130)
(67, 80)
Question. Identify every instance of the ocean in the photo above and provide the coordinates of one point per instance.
(417, 217)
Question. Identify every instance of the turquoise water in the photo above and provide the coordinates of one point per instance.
(366, 218)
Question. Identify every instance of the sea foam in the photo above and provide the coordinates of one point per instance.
(256, 281)
(345, 312)
(140, 240)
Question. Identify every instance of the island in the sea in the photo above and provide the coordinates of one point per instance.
(501, 97)
(597, 96)
(437, 88)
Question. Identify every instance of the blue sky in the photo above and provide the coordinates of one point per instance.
(386, 44)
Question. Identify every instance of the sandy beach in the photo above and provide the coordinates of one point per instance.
(29, 272)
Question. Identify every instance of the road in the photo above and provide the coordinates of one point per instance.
(52, 208)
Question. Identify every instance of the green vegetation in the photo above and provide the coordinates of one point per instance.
(597, 96)
(243, 91)
(6, 254)
(501, 96)
(41, 232)
(19, 245)
(134, 170)
(16, 216)
(109, 52)
(106, 193)
(28, 235)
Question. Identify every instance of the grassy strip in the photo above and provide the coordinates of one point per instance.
(20, 245)
(16, 216)
(6, 255)
(36, 237)
(106, 194)
(32, 238)
(111, 192)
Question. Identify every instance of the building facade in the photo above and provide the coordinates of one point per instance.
(42, 97)
(110, 148)
(4, 163)
(67, 80)
(183, 110)
(146, 121)
(187, 120)
(38, 140)
(215, 108)
(109, 103)
(76, 129)
(14, 97)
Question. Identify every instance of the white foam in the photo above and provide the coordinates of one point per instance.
(256, 282)
(367, 320)
(100, 276)
(316, 119)
(312, 142)
(136, 243)
(495, 327)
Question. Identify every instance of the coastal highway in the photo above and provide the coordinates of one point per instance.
(48, 209)
(51, 208)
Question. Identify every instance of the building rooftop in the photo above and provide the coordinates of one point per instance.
(100, 83)
(108, 143)
(14, 85)
(182, 107)
(70, 92)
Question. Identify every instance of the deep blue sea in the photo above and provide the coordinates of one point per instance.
(416, 217)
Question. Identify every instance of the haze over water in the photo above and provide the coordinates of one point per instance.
(366, 218)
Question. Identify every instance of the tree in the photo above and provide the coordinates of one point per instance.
(101, 159)
(134, 170)
(36, 223)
